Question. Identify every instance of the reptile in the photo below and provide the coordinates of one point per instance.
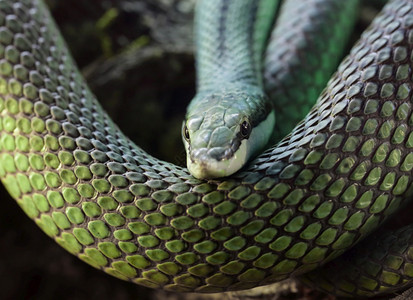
(335, 178)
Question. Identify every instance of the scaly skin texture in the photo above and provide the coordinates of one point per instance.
(383, 263)
(339, 175)
(304, 50)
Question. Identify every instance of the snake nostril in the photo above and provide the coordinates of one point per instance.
(245, 129)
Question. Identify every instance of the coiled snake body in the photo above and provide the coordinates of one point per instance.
(339, 174)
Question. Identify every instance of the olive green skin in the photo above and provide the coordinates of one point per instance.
(383, 263)
(333, 180)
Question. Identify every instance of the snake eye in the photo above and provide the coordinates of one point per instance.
(245, 129)
(186, 133)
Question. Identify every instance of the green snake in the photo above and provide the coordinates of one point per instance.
(334, 179)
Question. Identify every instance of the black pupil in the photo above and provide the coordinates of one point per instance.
(245, 129)
(186, 133)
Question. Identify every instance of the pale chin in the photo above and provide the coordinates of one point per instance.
(216, 169)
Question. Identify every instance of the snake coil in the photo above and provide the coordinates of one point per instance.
(339, 174)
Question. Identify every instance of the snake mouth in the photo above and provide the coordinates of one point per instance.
(217, 162)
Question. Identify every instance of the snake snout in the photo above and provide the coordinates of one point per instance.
(216, 162)
(205, 155)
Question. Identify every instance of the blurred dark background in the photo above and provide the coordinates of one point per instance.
(137, 58)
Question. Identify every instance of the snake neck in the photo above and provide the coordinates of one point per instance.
(230, 39)
(230, 119)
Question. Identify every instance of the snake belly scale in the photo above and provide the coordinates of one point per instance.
(339, 174)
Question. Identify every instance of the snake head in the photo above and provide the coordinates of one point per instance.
(223, 130)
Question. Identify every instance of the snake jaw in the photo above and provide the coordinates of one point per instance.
(203, 166)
